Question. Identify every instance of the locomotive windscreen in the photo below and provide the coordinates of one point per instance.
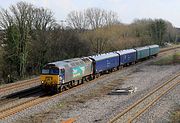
(50, 70)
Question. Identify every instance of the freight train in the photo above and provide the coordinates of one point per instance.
(61, 75)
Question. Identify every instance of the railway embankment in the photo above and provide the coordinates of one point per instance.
(97, 94)
(93, 103)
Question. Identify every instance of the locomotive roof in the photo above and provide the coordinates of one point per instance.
(58, 63)
(104, 56)
(65, 62)
(122, 52)
(71, 62)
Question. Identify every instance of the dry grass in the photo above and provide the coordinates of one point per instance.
(169, 60)
(175, 117)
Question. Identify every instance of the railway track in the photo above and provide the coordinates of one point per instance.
(18, 84)
(167, 49)
(18, 95)
(15, 109)
(9, 110)
(139, 107)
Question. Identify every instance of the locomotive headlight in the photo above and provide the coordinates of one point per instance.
(42, 82)
(60, 78)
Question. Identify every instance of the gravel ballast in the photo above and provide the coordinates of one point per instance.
(162, 111)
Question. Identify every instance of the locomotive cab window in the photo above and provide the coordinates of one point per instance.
(45, 71)
(51, 71)
(54, 71)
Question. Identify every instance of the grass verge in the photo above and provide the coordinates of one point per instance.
(175, 115)
(169, 60)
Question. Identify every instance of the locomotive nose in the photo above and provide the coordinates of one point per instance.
(49, 80)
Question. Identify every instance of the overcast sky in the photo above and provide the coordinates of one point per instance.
(127, 10)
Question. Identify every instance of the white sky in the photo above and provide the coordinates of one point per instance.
(127, 10)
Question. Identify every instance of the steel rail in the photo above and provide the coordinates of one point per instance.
(153, 102)
(19, 107)
(17, 85)
(142, 99)
(7, 100)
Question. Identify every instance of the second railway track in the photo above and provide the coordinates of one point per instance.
(135, 110)
(18, 85)
(17, 99)
(19, 95)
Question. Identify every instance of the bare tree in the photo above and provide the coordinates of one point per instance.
(91, 18)
(43, 19)
(95, 17)
(111, 18)
(98, 40)
(6, 19)
(77, 20)
(171, 33)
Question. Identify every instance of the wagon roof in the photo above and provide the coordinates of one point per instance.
(104, 56)
(122, 52)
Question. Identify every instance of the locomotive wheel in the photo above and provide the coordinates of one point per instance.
(82, 81)
(92, 77)
(70, 84)
(61, 89)
(87, 78)
(73, 83)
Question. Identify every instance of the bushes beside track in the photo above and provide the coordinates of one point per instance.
(169, 60)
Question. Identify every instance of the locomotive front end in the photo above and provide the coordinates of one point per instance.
(50, 78)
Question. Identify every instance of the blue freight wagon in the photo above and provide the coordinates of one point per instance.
(127, 56)
(142, 52)
(105, 62)
(153, 50)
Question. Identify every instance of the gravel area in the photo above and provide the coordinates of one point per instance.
(162, 111)
(92, 102)
(102, 109)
